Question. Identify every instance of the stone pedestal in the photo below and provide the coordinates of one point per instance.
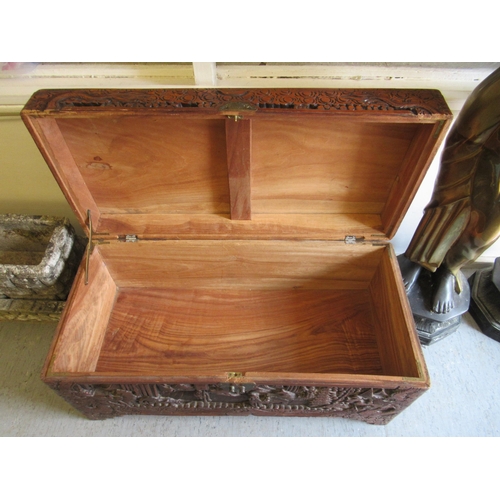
(431, 331)
(39, 257)
(431, 326)
(485, 301)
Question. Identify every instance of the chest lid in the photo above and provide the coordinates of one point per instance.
(239, 163)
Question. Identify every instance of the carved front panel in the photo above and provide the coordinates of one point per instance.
(99, 401)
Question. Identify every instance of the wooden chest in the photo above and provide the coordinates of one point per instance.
(240, 260)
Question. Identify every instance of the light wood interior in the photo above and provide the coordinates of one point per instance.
(144, 164)
(185, 177)
(239, 265)
(83, 326)
(326, 165)
(206, 308)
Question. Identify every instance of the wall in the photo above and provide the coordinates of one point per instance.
(26, 183)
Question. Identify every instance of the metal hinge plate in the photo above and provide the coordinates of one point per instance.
(352, 240)
(129, 238)
(237, 389)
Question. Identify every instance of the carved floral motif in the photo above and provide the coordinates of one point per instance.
(415, 102)
(99, 401)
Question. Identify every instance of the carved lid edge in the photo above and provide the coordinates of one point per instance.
(423, 103)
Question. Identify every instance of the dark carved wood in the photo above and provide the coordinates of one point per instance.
(100, 401)
(413, 102)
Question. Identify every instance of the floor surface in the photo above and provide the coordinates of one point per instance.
(464, 399)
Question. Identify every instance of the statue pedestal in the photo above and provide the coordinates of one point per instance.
(431, 326)
(485, 301)
(431, 331)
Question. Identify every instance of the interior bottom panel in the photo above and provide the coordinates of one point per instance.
(204, 331)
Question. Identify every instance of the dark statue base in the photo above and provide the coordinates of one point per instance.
(485, 301)
(432, 326)
(431, 331)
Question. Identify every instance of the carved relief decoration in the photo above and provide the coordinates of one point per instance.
(414, 102)
(99, 401)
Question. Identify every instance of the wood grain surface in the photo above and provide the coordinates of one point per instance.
(312, 263)
(165, 153)
(83, 325)
(196, 332)
(239, 165)
(316, 166)
(58, 156)
(325, 165)
(400, 350)
(208, 307)
(413, 168)
(220, 226)
(149, 165)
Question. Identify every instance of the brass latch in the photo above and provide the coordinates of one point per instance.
(235, 109)
(237, 389)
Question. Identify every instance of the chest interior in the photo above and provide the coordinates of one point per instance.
(218, 244)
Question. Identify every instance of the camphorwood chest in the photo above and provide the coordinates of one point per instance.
(239, 258)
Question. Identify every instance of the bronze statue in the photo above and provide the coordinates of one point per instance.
(463, 218)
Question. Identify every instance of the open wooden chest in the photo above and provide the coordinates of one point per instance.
(239, 260)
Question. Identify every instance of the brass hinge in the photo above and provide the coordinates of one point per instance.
(352, 240)
(129, 238)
